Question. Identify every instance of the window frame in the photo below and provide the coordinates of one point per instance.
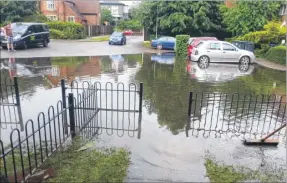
(52, 19)
(51, 5)
(73, 17)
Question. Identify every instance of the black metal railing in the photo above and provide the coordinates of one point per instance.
(78, 113)
(239, 114)
(10, 107)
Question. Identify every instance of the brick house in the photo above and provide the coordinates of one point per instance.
(80, 11)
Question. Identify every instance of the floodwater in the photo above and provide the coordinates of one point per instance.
(165, 145)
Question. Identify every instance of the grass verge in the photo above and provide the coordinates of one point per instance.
(146, 44)
(231, 174)
(100, 39)
(91, 165)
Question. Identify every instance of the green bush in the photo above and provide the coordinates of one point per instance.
(272, 33)
(181, 44)
(70, 30)
(277, 54)
(130, 24)
(56, 34)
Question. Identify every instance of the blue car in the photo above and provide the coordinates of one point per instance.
(165, 42)
(118, 38)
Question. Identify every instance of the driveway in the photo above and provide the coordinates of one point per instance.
(79, 48)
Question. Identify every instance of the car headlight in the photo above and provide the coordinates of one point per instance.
(17, 38)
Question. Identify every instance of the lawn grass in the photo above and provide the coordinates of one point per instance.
(91, 165)
(231, 174)
(100, 39)
(146, 44)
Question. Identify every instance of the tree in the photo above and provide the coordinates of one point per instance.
(249, 16)
(12, 11)
(180, 17)
(106, 15)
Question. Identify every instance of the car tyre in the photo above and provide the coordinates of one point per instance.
(45, 43)
(109, 43)
(203, 61)
(159, 47)
(244, 60)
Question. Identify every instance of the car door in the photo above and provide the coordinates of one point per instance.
(214, 51)
(170, 42)
(30, 36)
(229, 53)
(39, 33)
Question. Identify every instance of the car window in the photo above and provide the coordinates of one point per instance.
(228, 47)
(38, 28)
(199, 45)
(163, 39)
(45, 27)
(31, 28)
(214, 46)
(171, 39)
(19, 28)
(117, 34)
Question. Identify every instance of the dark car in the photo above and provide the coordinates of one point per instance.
(118, 38)
(29, 34)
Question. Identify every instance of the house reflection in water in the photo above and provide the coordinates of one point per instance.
(73, 68)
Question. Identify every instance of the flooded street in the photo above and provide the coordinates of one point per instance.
(165, 144)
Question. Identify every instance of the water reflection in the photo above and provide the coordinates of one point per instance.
(163, 58)
(213, 72)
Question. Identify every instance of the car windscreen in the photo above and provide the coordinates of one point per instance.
(117, 34)
(19, 28)
(199, 44)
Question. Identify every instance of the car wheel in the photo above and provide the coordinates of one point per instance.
(109, 43)
(159, 47)
(125, 42)
(243, 67)
(244, 60)
(203, 61)
(45, 43)
(25, 46)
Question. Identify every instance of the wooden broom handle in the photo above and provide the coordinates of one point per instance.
(273, 132)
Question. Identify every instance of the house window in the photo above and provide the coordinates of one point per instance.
(52, 17)
(51, 5)
(115, 10)
(71, 19)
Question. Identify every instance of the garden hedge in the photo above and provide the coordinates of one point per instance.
(66, 30)
(181, 45)
(277, 54)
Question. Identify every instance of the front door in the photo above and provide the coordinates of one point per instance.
(39, 32)
(229, 53)
(30, 37)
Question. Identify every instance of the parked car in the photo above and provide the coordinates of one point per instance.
(128, 32)
(165, 42)
(118, 38)
(220, 51)
(28, 34)
(2, 35)
(194, 41)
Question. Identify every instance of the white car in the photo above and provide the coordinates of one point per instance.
(220, 51)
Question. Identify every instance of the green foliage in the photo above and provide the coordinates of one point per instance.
(13, 11)
(277, 54)
(56, 34)
(106, 15)
(227, 174)
(38, 17)
(100, 39)
(179, 17)
(181, 45)
(69, 30)
(130, 24)
(249, 16)
(271, 33)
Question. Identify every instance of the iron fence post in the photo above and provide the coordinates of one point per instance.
(63, 88)
(189, 104)
(141, 97)
(17, 91)
(72, 114)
